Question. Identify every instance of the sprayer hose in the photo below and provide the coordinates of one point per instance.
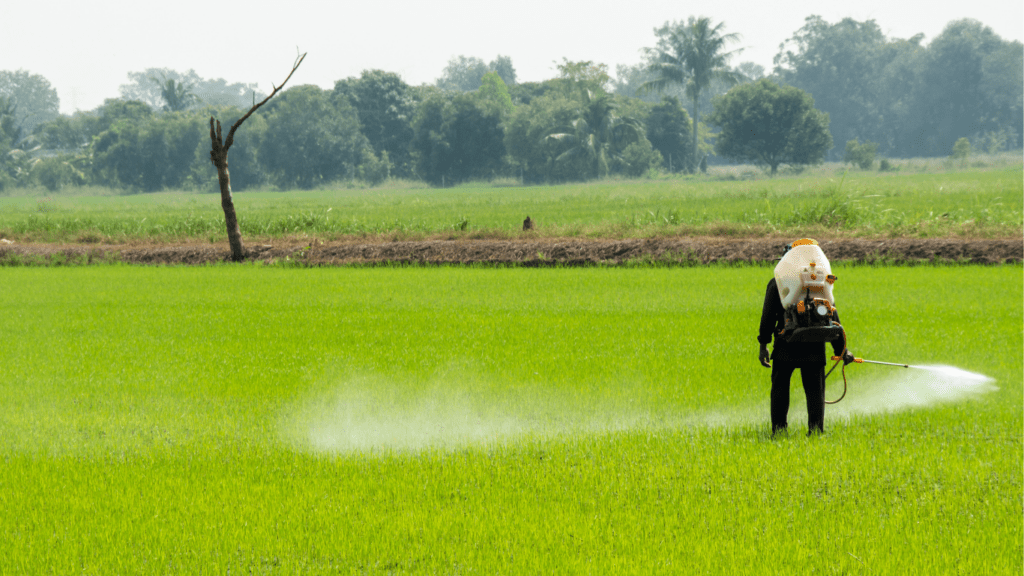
(836, 401)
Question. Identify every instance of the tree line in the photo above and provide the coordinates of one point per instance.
(832, 84)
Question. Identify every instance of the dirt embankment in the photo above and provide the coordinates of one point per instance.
(529, 252)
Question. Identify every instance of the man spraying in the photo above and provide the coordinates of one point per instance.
(799, 313)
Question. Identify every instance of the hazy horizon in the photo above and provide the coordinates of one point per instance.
(89, 49)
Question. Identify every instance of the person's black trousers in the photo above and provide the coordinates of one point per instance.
(813, 377)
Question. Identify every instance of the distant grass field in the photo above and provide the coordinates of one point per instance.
(448, 420)
(972, 202)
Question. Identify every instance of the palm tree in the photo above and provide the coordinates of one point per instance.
(597, 135)
(177, 95)
(692, 55)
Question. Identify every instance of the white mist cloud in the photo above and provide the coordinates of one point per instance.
(909, 388)
(375, 414)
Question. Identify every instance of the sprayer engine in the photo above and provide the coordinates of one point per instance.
(804, 278)
(811, 320)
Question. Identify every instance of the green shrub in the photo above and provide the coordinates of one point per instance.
(863, 155)
(372, 169)
(961, 149)
(639, 158)
(995, 141)
(56, 173)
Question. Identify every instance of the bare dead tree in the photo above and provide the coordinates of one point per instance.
(219, 156)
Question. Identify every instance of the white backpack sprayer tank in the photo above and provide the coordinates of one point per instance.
(804, 279)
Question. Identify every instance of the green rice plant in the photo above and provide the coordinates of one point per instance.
(425, 420)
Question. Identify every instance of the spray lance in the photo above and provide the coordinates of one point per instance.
(805, 281)
(839, 359)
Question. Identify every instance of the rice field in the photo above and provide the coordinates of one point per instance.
(521, 421)
(972, 203)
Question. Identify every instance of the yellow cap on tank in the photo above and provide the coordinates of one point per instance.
(805, 242)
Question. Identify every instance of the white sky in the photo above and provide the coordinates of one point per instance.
(86, 49)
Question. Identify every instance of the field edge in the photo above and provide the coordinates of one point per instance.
(520, 252)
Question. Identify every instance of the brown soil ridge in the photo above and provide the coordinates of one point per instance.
(527, 252)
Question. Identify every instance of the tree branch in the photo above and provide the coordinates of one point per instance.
(215, 138)
(231, 133)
